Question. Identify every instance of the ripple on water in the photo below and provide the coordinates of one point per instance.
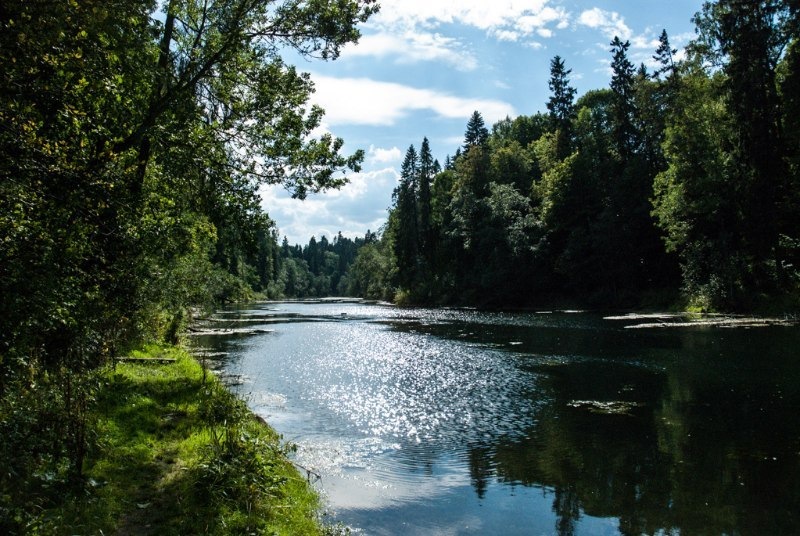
(408, 388)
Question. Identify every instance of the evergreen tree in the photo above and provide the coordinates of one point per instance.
(406, 231)
(476, 134)
(665, 57)
(561, 104)
(622, 107)
(427, 170)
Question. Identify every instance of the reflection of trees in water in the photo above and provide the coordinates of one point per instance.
(702, 455)
(480, 469)
(567, 508)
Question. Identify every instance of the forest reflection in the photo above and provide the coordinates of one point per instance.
(699, 454)
(444, 421)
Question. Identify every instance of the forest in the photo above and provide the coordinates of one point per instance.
(135, 135)
(673, 186)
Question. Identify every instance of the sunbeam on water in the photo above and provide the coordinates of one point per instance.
(447, 421)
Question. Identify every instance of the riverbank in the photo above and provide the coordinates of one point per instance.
(174, 453)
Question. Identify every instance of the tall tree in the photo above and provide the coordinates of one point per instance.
(427, 170)
(748, 39)
(664, 57)
(405, 230)
(476, 134)
(622, 107)
(561, 104)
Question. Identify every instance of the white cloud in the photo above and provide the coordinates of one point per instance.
(481, 14)
(404, 29)
(358, 206)
(414, 46)
(611, 23)
(507, 35)
(379, 155)
(362, 101)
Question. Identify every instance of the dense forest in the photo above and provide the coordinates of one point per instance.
(679, 184)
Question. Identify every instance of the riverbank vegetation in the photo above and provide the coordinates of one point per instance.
(135, 137)
(680, 183)
(170, 451)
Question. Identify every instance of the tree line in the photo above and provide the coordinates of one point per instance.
(680, 182)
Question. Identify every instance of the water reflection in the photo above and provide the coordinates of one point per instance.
(459, 422)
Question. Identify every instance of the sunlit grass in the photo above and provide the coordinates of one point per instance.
(176, 453)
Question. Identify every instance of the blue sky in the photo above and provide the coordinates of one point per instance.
(423, 66)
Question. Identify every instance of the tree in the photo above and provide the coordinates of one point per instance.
(622, 107)
(694, 201)
(665, 57)
(406, 231)
(427, 170)
(747, 40)
(561, 104)
(476, 134)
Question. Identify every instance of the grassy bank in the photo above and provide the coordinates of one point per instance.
(174, 453)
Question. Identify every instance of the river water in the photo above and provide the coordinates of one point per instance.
(446, 421)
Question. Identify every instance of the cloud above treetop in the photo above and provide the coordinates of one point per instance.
(412, 46)
(363, 101)
(359, 206)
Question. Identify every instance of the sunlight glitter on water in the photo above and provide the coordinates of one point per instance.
(411, 389)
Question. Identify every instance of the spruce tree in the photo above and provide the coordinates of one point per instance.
(622, 107)
(476, 134)
(406, 232)
(665, 57)
(426, 172)
(561, 105)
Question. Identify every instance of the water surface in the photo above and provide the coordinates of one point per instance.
(445, 421)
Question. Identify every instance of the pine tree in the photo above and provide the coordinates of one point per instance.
(622, 107)
(477, 134)
(561, 105)
(426, 173)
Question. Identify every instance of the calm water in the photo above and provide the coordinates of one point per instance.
(442, 422)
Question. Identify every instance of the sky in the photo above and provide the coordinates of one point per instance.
(422, 67)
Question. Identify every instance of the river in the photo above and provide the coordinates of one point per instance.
(450, 421)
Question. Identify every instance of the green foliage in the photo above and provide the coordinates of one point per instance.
(173, 453)
(684, 178)
(370, 274)
(135, 139)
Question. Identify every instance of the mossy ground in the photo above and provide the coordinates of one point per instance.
(176, 453)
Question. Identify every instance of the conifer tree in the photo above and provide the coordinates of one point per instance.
(665, 57)
(426, 173)
(476, 134)
(622, 107)
(406, 229)
(561, 104)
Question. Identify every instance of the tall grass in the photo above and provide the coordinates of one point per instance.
(172, 453)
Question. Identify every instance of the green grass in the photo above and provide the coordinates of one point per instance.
(178, 454)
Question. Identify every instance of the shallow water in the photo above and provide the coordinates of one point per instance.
(445, 421)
